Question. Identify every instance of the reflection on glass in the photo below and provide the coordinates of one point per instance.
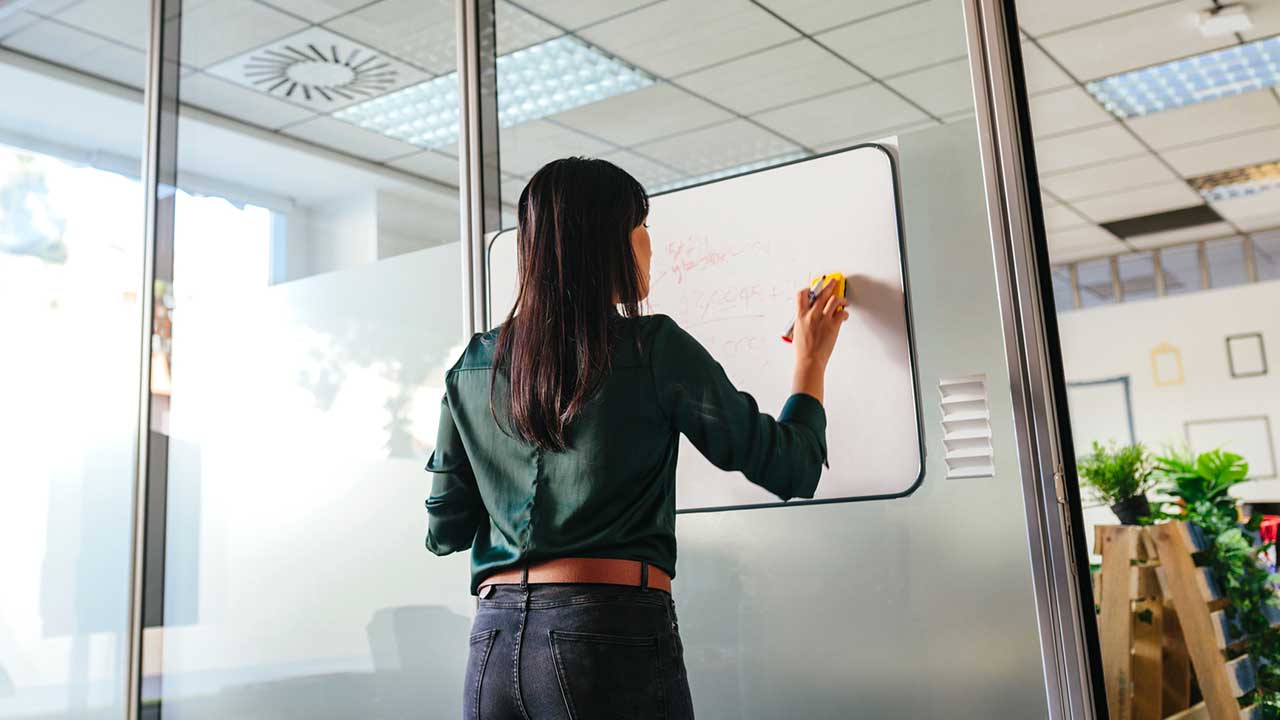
(1063, 297)
(1095, 282)
(314, 300)
(71, 239)
(1226, 262)
(1266, 255)
(1181, 268)
(1137, 276)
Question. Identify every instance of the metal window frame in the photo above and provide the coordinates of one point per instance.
(1059, 553)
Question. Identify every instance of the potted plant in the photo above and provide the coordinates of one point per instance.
(1120, 476)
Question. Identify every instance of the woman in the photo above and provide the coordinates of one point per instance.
(556, 460)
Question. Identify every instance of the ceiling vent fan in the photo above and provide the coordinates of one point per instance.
(319, 70)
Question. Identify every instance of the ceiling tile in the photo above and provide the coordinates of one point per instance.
(720, 147)
(317, 10)
(529, 146)
(518, 29)
(573, 14)
(219, 30)
(81, 51)
(1061, 217)
(349, 139)
(225, 98)
(649, 172)
(670, 38)
(1041, 72)
(1265, 16)
(1251, 209)
(874, 136)
(847, 114)
(1206, 120)
(942, 89)
(768, 79)
(47, 8)
(422, 32)
(1110, 177)
(12, 23)
(430, 164)
(1046, 16)
(1159, 34)
(1182, 235)
(1138, 202)
(125, 65)
(902, 40)
(1065, 110)
(1087, 147)
(1227, 153)
(126, 22)
(817, 15)
(646, 114)
(1256, 223)
(1081, 242)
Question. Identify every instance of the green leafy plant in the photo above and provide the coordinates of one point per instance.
(1200, 486)
(1117, 473)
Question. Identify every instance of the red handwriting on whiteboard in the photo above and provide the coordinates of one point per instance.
(696, 252)
(751, 300)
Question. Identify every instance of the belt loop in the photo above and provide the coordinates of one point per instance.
(524, 577)
(644, 574)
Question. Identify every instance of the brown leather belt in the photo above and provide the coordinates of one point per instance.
(608, 571)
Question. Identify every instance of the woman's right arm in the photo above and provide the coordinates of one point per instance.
(784, 455)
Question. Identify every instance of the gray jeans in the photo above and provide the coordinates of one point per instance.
(576, 652)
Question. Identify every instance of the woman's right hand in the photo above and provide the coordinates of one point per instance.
(817, 327)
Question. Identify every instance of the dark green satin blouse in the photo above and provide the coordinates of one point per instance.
(612, 493)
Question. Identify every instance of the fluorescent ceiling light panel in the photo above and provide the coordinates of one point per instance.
(1240, 182)
(1222, 73)
(535, 82)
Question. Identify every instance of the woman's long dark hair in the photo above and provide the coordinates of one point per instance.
(576, 269)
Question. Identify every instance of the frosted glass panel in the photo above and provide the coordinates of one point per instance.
(71, 239)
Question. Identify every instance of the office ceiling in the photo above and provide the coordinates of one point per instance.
(781, 78)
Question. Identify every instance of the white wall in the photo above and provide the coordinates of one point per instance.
(1118, 340)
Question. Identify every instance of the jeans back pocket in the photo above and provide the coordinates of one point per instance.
(611, 677)
(477, 662)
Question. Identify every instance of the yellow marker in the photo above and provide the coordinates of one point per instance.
(815, 287)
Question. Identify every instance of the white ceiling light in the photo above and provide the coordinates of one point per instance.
(535, 82)
(1223, 20)
(1209, 76)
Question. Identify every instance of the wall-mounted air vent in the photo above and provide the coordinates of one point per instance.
(966, 426)
(319, 70)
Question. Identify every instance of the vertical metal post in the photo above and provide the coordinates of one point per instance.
(480, 180)
(1068, 632)
(1075, 286)
(1202, 257)
(159, 174)
(1157, 269)
(1117, 287)
(1250, 260)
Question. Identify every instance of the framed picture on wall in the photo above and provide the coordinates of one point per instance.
(1246, 355)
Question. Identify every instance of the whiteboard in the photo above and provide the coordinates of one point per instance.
(728, 257)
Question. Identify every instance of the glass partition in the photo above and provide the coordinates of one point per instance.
(313, 289)
(71, 239)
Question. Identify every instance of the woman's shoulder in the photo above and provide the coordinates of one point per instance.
(478, 353)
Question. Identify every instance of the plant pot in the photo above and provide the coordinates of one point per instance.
(1130, 509)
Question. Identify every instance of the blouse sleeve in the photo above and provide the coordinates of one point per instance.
(784, 456)
(454, 508)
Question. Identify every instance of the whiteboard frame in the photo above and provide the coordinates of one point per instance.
(889, 153)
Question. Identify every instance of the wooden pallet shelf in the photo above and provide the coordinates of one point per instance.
(1161, 618)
